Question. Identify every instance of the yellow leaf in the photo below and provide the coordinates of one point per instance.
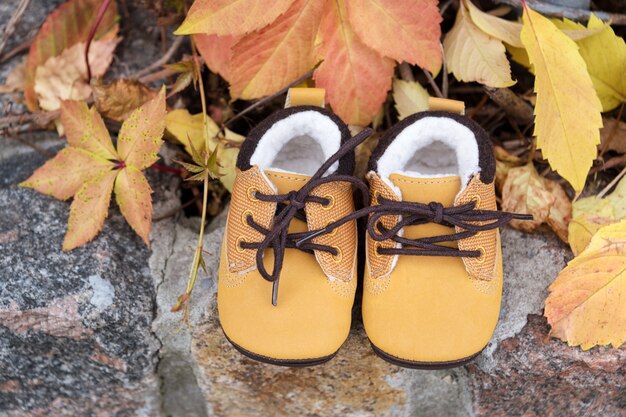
(286, 53)
(185, 127)
(62, 176)
(404, 30)
(85, 130)
(410, 98)
(117, 99)
(472, 55)
(525, 191)
(605, 56)
(585, 306)
(132, 193)
(505, 30)
(592, 213)
(231, 17)
(139, 139)
(63, 77)
(89, 210)
(567, 113)
(356, 78)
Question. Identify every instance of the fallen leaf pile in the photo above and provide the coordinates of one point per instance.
(56, 68)
(261, 47)
(592, 213)
(586, 303)
(525, 191)
(90, 169)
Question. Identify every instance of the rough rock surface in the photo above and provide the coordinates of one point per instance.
(75, 336)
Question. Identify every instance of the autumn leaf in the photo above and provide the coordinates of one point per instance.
(117, 99)
(605, 56)
(567, 113)
(287, 49)
(401, 30)
(90, 169)
(473, 55)
(188, 130)
(66, 26)
(356, 78)
(592, 213)
(496, 27)
(15, 79)
(217, 52)
(613, 135)
(585, 305)
(228, 17)
(410, 97)
(63, 77)
(350, 38)
(525, 191)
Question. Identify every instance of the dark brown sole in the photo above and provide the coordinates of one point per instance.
(422, 365)
(292, 363)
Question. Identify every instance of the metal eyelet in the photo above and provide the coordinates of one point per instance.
(337, 258)
(377, 245)
(483, 255)
(244, 216)
(238, 243)
(331, 203)
(476, 199)
(250, 192)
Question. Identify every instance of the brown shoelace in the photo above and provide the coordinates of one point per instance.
(291, 205)
(465, 216)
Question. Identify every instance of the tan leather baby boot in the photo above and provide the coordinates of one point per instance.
(433, 276)
(287, 274)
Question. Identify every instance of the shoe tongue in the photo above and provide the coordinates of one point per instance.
(426, 190)
(286, 181)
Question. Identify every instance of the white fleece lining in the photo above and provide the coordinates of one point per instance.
(299, 143)
(431, 147)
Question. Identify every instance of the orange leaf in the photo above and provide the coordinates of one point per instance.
(139, 139)
(585, 306)
(356, 78)
(89, 209)
(62, 176)
(406, 30)
(285, 54)
(132, 193)
(64, 27)
(231, 17)
(85, 129)
(217, 52)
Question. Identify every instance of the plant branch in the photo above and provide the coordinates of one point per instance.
(17, 49)
(178, 41)
(612, 183)
(29, 143)
(268, 98)
(92, 33)
(12, 23)
(432, 83)
(567, 12)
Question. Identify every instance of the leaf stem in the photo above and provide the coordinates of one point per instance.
(92, 33)
(197, 258)
(166, 169)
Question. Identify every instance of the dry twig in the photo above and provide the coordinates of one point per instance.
(10, 26)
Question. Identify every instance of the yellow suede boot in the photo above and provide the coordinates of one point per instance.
(433, 276)
(287, 274)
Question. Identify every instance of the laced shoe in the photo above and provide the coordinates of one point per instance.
(433, 276)
(287, 273)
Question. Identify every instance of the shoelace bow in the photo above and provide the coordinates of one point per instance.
(291, 205)
(464, 216)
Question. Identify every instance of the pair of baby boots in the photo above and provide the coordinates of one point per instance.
(433, 266)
